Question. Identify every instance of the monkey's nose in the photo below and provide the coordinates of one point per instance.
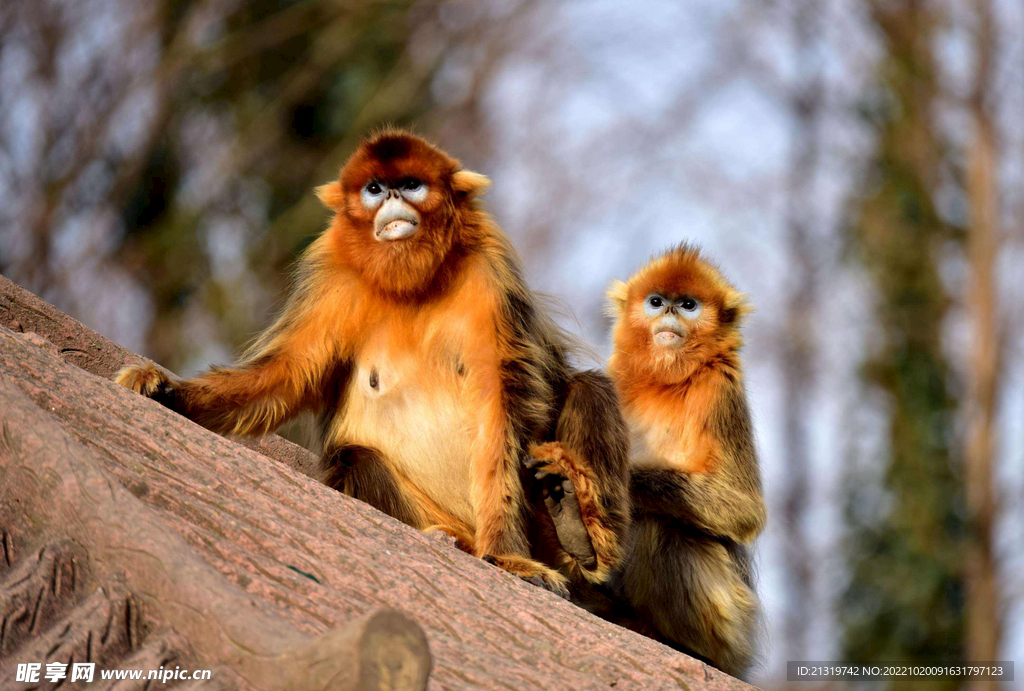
(395, 221)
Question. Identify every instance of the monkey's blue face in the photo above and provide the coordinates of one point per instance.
(396, 215)
(671, 317)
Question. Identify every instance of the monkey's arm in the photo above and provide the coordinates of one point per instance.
(507, 370)
(505, 394)
(725, 497)
(283, 371)
(700, 500)
(512, 402)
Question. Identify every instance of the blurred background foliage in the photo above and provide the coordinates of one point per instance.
(856, 165)
(896, 233)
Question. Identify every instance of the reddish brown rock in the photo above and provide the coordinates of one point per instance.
(23, 312)
(125, 524)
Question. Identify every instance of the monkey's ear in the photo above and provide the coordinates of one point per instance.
(470, 185)
(618, 294)
(735, 308)
(331, 195)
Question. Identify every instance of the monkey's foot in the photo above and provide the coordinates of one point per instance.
(463, 540)
(532, 572)
(559, 494)
(551, 457)
(589, 534)
(148, 380)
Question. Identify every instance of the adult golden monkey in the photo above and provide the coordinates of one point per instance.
(412, 334)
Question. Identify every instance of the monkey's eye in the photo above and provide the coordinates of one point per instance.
(654, 305)
(372, 194)
(414, 191)
(690, 308)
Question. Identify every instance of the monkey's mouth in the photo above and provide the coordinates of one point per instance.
(395, 223)
(396, 230)
(668, 337)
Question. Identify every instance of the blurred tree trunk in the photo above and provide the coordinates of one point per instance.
(983, 621)
(184, 211)
(905, 544)
(798, 348)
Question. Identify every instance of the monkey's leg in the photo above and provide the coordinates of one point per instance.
(524, 566)
(496, 490)
(363, 473)
(694, 591)
(463, 538)
(529, 568)
(437, 519)
(507, 402)
(586, 476)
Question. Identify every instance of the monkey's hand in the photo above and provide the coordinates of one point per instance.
(549, 461)
(532, 572)
(148, 380)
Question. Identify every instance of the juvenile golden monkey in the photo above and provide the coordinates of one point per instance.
(695, 483)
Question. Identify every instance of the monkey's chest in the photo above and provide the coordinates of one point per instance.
(409, 403)
(664, 446)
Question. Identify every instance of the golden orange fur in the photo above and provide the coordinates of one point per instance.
(695, 484)
(425, 355)
(682, 384)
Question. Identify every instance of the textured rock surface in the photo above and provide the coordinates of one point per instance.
(127, 525)
(77, 344)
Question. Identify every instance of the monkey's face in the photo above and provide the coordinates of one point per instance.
(674, 312)
(395, 187)
(398, 207)
(671, 317)
(393, 204)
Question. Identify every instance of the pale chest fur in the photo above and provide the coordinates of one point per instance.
(409, 396)
(663, 434)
